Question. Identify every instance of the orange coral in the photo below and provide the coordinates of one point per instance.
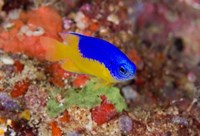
(56, 131)
(94, 26)
(80, 81)
(65, 117)
(20, 88)
(57, 74)
(45, 17)
(14, 40)
(18, 66)
(2, 120)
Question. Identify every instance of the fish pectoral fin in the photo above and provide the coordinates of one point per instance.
(68, 65)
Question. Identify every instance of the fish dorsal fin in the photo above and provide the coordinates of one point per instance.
(70, 39)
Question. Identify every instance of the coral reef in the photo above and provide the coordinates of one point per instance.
(38, 97)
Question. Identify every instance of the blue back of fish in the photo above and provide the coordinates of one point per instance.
(99, 50)
(105, 53)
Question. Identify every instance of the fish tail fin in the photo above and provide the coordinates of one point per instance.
(54, 50)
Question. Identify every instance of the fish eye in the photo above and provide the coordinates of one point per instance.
(123, 70)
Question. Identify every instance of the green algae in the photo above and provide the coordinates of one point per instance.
(85, 98)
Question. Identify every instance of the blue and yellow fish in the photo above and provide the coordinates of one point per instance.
(90, 55)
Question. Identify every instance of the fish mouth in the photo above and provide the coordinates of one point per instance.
(130, 78)
(133, 77)
(127, 79)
